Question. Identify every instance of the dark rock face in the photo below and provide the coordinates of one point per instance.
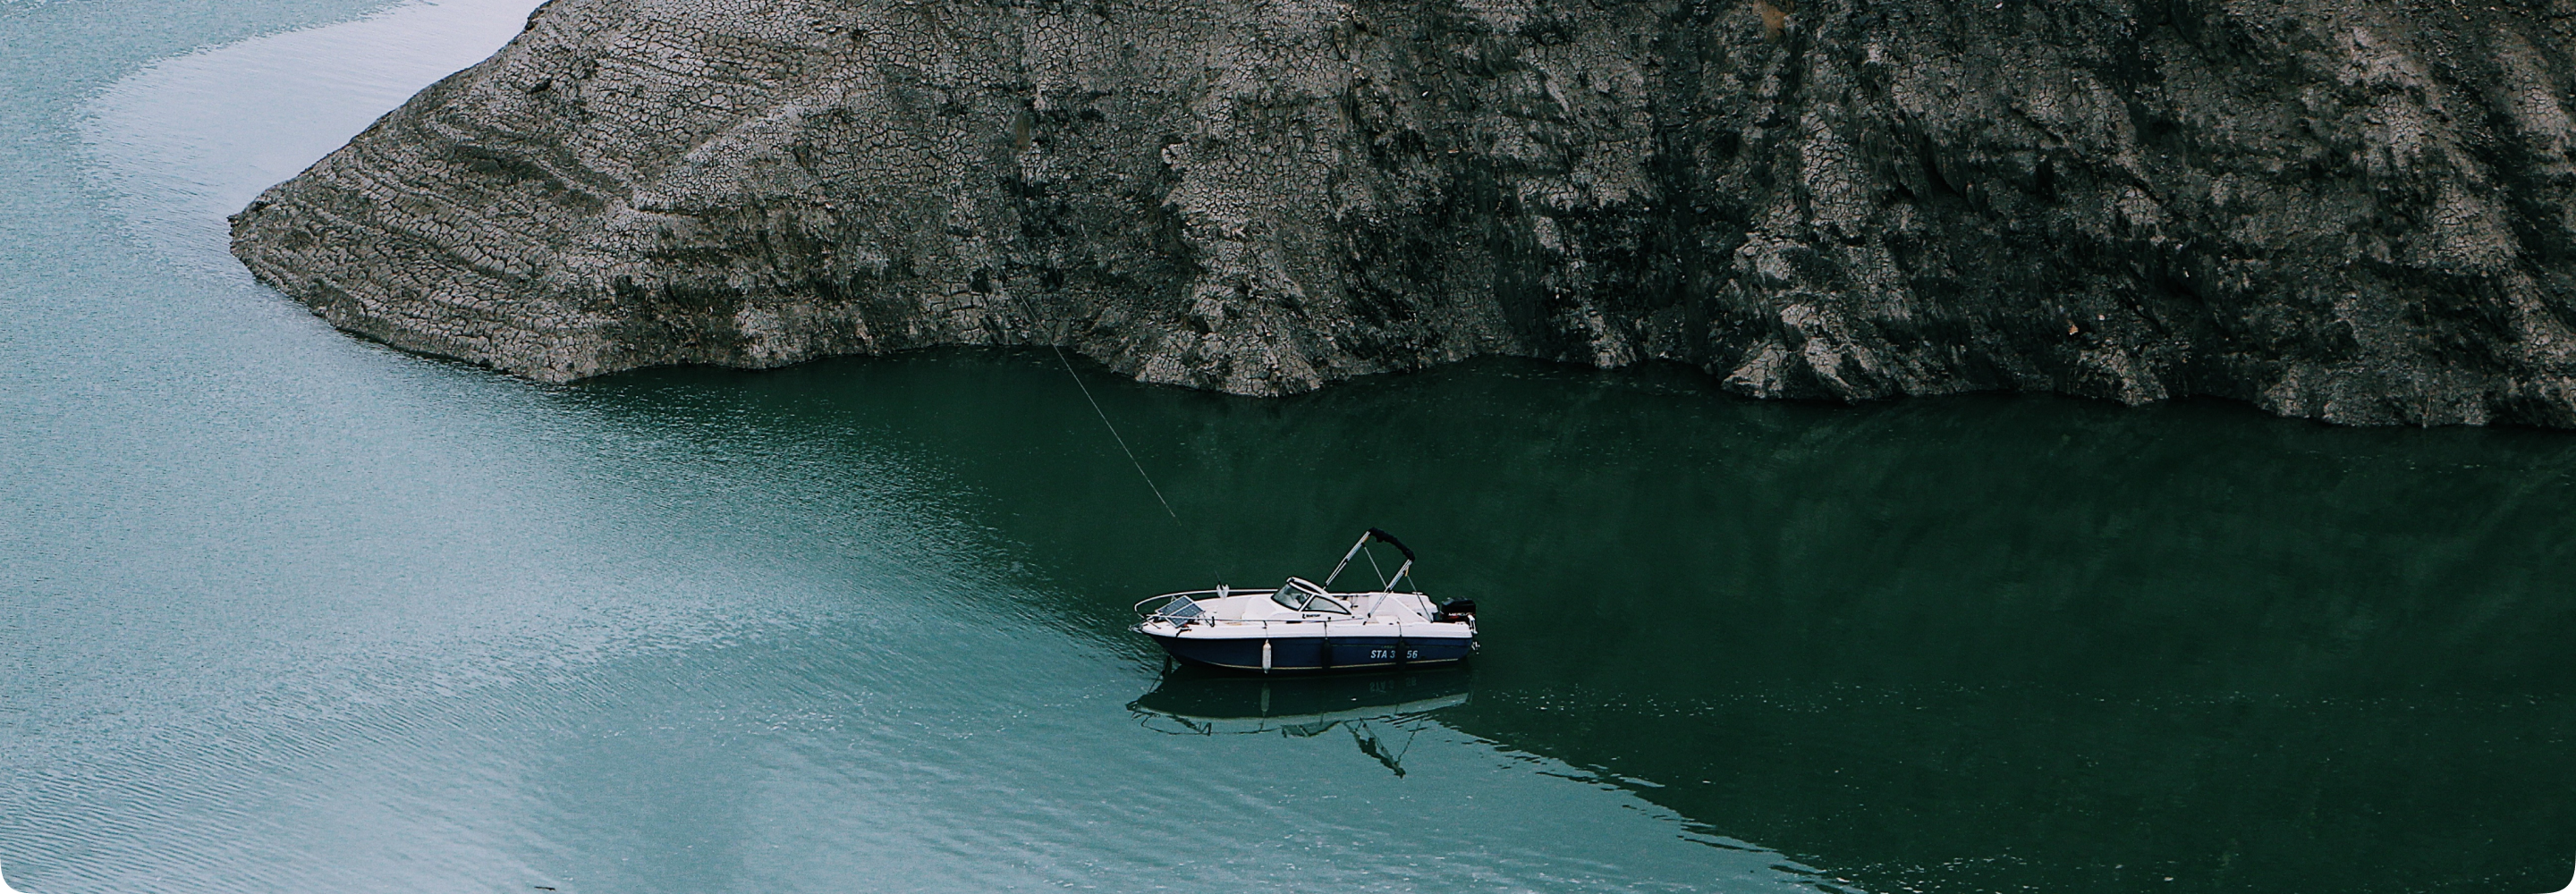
(2356, 210)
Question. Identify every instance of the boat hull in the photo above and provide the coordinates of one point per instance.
(1309, 654)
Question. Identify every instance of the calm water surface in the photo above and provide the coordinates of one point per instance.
(284, 611)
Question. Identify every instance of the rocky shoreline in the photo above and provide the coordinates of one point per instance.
(2359, 211)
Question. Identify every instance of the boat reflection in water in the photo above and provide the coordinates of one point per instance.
(1374, 708)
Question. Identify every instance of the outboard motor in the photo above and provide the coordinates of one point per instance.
(1458, 610)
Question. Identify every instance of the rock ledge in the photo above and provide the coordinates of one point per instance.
(2361, 211)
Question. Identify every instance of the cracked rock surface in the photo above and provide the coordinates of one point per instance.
(2362, 211)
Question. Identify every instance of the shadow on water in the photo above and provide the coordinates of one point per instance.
(1382, 712)
(1960, 644)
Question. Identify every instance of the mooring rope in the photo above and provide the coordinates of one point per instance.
(1113, 435)
(1055, 345)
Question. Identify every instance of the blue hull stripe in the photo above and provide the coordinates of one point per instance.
(1318, 653)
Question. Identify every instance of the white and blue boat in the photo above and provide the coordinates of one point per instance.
(1303, 626)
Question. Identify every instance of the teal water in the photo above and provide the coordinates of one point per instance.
(286, 611)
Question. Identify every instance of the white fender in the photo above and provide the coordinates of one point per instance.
(1265, 668)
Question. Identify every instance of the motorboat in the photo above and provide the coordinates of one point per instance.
(1303, 626)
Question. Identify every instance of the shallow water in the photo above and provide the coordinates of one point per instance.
(289, 611)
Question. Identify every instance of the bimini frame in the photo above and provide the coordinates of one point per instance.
(1381, 537)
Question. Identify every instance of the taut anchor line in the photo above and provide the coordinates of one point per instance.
(1113, 434)
(1067, 363)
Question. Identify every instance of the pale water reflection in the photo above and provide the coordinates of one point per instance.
(288, 611)
(190, 139)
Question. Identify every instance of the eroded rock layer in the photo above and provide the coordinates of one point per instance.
(2355, 210)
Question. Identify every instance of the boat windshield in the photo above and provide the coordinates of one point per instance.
(1294, 594)
(1300, 594)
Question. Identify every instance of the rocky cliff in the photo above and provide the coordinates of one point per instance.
(2355, 210)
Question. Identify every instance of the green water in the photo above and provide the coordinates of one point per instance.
(288, 611)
